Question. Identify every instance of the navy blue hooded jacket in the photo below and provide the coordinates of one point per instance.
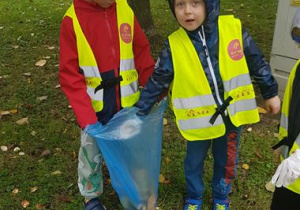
(163, 74)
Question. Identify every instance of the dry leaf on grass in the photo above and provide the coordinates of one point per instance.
(58, 172)
(45, 153)
(23, 121)
(261, 110)
(4, 148)
(33, 189)
(245, 166)
(161, 178)
(42, 98)
(40, 63)
(25, 203)
(270, 187)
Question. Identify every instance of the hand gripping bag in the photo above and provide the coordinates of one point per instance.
(131, 148)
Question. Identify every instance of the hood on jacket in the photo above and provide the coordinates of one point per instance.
(212, 13)
(295, 30)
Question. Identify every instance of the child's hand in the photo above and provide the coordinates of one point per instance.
(273, 105)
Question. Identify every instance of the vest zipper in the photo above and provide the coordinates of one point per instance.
(210, 66)
(116, 71)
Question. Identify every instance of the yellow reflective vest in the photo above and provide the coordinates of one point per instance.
(191, 96)
(87, 62)
(283, 129)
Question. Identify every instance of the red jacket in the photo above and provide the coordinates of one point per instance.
(101, 30)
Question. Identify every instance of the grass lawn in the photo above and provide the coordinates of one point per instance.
(46, 175)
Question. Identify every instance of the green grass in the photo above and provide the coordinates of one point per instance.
(29, 28)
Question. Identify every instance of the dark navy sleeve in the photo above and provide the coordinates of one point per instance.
(259, 68)
(159, 81)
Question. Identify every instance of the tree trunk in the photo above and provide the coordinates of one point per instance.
(142, 11)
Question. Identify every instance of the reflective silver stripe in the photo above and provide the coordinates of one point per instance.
(298, 139)
(284, 121)
(193, 102)
(127, 64)
(238, 81)
(242, 105)
(198, 123)
(130, 89)
(91, 92)
(284, 151)
(90, 71)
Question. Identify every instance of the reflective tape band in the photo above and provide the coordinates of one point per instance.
(284, 151)
(90, 71)
(238, 81)
(127, 64)
(130, 89)
(198, 123)
(193, 102)
(242, 105)
(91, 92)
(284, 121)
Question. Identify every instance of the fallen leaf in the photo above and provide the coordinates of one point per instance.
(42, 98)
(28, 74)
(15, 191)
(13, 111)
(4, 113)
(161, 178)
(1, 27)
(17, 149)
(261, 110)
(245, 166)
(276, 135)
(168, 160)
(40, 63)
(51, 47)
(64, 199)
(249, 129)
(40, 206)
(23, 121)
(15, 46)
(58, 172)
(165, 121)
(57, 86)
(257, 153)
(46, 57)
(228, 10)
(4, 148)
(45, 153)
(33, 189)
(33, 133)
(167, 181)
(270, 187)
(21, 153)
(25, 203)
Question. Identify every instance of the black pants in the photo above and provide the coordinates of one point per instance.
(285, 199)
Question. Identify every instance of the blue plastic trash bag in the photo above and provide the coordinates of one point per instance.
(131, 147)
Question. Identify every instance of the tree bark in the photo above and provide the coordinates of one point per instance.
(142, 11)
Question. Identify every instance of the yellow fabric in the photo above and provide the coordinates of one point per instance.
(187, 65)
(86, 56)
(230, 29)
(125, 15)
(295, 187)
(184, 67)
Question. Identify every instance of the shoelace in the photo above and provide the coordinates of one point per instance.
(192, 207)
(220, 207)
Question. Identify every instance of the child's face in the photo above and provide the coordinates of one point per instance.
(102, 3)
(190, 13)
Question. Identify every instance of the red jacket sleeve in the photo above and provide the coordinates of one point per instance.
(144, 62)
(71, 80)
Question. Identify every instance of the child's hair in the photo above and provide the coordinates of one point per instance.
(172, 5)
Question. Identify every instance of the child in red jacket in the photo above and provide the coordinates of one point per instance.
(104, 58)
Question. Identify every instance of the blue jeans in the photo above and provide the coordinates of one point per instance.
(225, 153)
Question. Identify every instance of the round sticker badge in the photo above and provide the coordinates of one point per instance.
(235, 51)
(125, 32)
